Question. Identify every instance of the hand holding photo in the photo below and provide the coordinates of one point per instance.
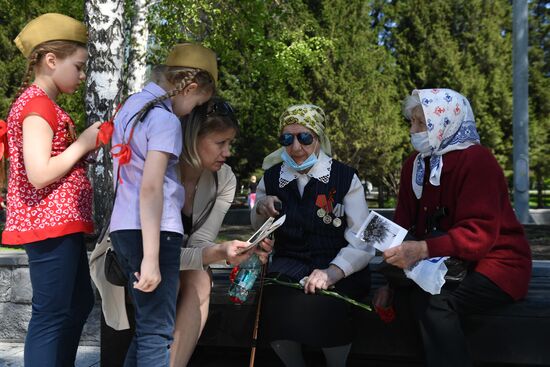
(265, 230)
(381, 232)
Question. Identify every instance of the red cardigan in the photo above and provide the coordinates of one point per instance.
(481, 226)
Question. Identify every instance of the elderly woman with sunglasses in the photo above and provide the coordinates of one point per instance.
(209, 183)
(324, 204)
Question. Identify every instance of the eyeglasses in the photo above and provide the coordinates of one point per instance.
(221, 108)
(287, 139)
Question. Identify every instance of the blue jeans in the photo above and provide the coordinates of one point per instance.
(155, 311)
(62, 299)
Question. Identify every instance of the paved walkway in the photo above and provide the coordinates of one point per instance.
(11, 355)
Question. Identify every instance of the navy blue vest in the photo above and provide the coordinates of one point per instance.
(304, 238)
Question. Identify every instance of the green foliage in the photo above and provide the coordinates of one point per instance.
(356, 59)
(357, 87)
(274, 54)
(13, 17)
(265, 51)
(539, 92)
(464, 45)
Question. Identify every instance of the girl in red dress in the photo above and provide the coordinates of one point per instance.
(49, 201)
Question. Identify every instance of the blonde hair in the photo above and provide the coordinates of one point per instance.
(201, 122)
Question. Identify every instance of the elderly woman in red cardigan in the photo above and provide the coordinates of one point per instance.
(451, 173)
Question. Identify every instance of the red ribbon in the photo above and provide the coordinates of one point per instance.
(323, 202)
(106, 129)
(105, 133)
(123, 153)
(4, 152)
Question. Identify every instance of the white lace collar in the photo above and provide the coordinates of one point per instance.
(319, 171)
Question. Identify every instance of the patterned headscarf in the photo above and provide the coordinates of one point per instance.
(307, 115)
(451, 126)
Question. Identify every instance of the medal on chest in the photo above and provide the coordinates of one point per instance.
(71, 132)
(328, 212)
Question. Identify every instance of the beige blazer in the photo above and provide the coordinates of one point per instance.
(206, 221)
(113, 297)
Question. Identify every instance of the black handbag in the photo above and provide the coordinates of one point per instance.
(113, 271)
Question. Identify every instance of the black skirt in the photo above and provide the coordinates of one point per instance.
(311, 319)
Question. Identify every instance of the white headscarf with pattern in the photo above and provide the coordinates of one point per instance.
(308, 115)
(451, 126)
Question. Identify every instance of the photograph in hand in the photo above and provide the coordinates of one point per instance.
(265, 230)
(381, 232)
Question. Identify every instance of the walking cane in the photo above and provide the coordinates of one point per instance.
(278, 207)
(257, 321)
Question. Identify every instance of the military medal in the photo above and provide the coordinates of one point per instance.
(325, 206)
(71, 134)
(338, 210)
(337, 222)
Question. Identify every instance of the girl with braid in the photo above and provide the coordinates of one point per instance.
(49, 195)
(146, 225)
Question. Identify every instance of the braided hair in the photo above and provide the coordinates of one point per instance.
(181, 77)
(61, 49)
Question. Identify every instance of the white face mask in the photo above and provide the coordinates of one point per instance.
(421, 142)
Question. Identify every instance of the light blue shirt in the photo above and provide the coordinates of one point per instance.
(159, 130)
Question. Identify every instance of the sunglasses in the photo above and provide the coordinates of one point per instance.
(221, 108)
(287, 139)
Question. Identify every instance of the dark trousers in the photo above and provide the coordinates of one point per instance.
(439, 317)
(62, 299)
(155, 311)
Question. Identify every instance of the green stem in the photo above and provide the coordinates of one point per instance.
(271, 281)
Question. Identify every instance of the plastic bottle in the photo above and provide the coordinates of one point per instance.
(249, 270)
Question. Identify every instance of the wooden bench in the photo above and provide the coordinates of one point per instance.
(518, 334)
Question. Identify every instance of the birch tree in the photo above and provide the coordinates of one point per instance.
(104, 19)
(139, 35)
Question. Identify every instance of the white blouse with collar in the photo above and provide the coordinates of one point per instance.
(357, 254)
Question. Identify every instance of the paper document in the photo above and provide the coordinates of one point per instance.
(265, 230)
(381, 232)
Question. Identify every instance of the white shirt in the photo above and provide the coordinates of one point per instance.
(357, 254)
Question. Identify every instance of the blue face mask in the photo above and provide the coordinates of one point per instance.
(420, 142)
(309, 162)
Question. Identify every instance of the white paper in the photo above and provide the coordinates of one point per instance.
(429, 274)
(381, 232)
(265, 230)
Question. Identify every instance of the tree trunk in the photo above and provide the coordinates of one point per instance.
(105, 22)
(540, 186)
(139, 33)
(381, 197)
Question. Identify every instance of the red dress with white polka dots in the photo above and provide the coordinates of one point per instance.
(61, 208)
